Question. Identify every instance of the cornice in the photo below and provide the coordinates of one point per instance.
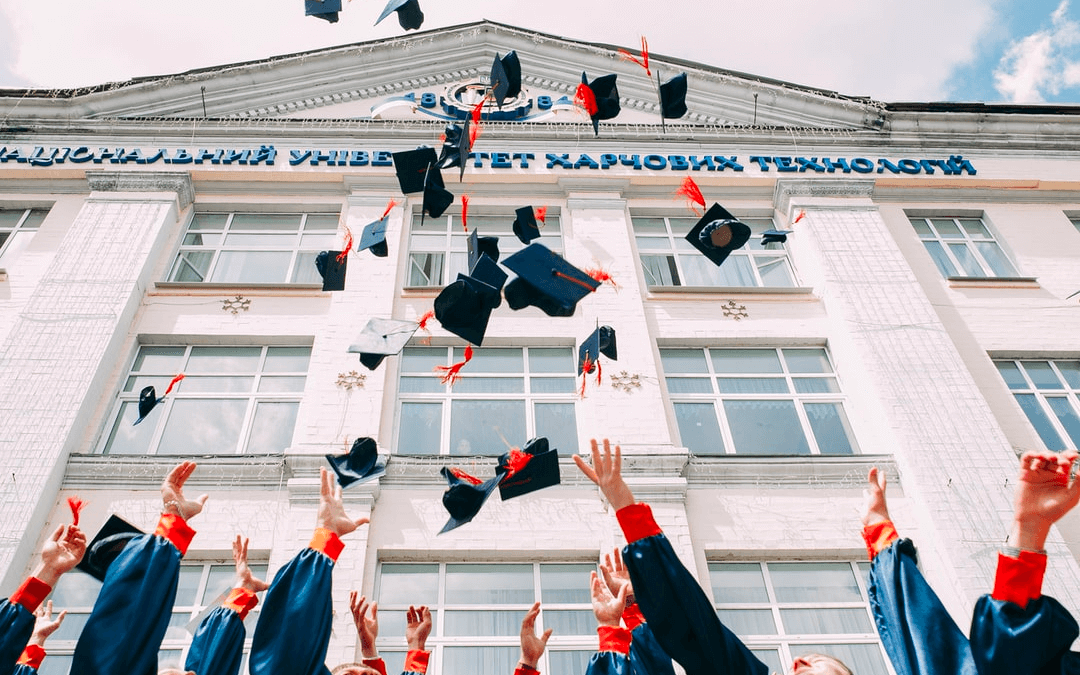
(178, 182)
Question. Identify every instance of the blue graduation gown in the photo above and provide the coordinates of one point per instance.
(646, 656)
(1009, 640)
(609, 663)
(218, 645)
(16, 627)
(918, 634)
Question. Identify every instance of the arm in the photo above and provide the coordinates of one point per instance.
(646, 656)
(532, 645)
(416, 634)
(367, 627)
(137, 598)
(612, 656)
(44, 626)
(295, 623)
(680, 614)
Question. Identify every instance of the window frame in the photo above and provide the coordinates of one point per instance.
(970, 245)
(1070, 393)
(35, 214)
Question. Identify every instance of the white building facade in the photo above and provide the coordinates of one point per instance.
(918, 318)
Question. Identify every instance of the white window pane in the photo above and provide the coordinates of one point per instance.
(1010, 372)
(265, 221)
(405, 584)
(394, 660)
(644, 225)
(287, 359)
(492, 360)
(1037, 416)
(745, 622)
(737, 270)
(565, 583)
(653, 245)
(256, 267)
(941, 259)
(479, 660)
(187, 586)
(203, 427)
(771, 658)
(220, 579)
(752, 385)
(260, 240)
(816, 385)
(128, 439)
(765, 428)
(1042, 375)
(272, 428)
(56, 664)
(489, 585)
(737, 583)
(421, 385)
(995, 258)
(216, 360)
(660, 270)
(425, 269)
(422, 359)
(967, 260)
(700, 271)
(1066, 414)
(824, 620)
(191, 266)
(558, 423)
(16, 244)
(421, 429)
(552, 385)
(975, 228)
(392, 623)
(568, 622)
(864, 659)
(699, 429)
(196, 384)
(831, 428)
(75, 590)
(476, 426)
(202, 239)
(745, 361)
(9, 218)
(814, 582)
(482, 623)
(282, 384)
(807, 361)
(322, 221)
(947, 228)
(775, 272)
(1070, 370)
(171, 658)
(304, 270)
(208, 221)
(569, 662)
(551, 360)
(683, 361)
(689, 385)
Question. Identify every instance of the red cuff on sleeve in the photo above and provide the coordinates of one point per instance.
(878, 537)
(416, 661)
(32, 656)
(241, 601)
(1019, 580)
(376, 663)
(633, 617)
(614, 639)
(176, 530)
(637, 522)
(31, 593)
(326, 542)
(523, 669)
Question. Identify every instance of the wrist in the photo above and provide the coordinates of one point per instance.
(1029, 535)
(417, 646)
(48, 574)
(528, 662)
(370, 652)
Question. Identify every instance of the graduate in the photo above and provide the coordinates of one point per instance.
(646, 656)
(60, 554)
(417, 630)
(679, 612)
(613, 655)
(44, 626)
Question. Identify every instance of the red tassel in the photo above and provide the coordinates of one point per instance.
(802, 214)
(577, 281)
(586, 99)
(474, 128)
(599, 274)
(692, 192)
(76, 505)
(517, 461)
(599, 377)
(586, 368)
(346, 246)
(173, 383)
(424, 319)
(451, 374)
(541, 214)
(461, 475)
(643, 61)
(389, 206)
(465, 212)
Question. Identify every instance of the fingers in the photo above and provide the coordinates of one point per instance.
(586, 469)
(622, 595)
(202, 500)
(617, 471)
(375, 612)
(58, 533)
(598, 466)
(528, 624)
(179, 474)
(609, 579)
(617, 556)
(362, 521)
(325, 490)
(354, 603)
(544, 638)
(60, 617)
(411, 616)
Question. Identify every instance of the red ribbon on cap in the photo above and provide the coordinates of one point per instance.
(76, 505)
(517, 461)
(586, 99)
(541, 214)
(173, 383)
(601, 275)
(586, 368)
(643, 61)
(346, 246)
(802, 214)
(465, 212)
(692, 192)
(461, 475)
(577, 281)
(389, 206)
(451, 374)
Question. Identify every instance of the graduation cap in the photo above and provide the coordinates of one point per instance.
(331, 265)
(411, 167)
(478, 246)
(106, 545)
(148, 398)
(374, 235)
(505, 77)
(465, 496)
(489, 272)
(717, 234)
(456, 147)
(673, 97)
(409, 15)
(525, 227)
(381, 338)
(602, 341)
(436, 198)
(545, 280)
(464, 308)
(359, 464)
(774, 236)
(532, 468)
(600, 98)
(324, 9)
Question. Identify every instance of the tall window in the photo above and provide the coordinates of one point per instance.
(254, 248)
(757, 401)
(504, 393)
(1048, 392)
(17, 228)
(668, 259)
(963, 247)
(782, 610)
(438, 250)
(477, 610)
(232, 399)
(200, 587)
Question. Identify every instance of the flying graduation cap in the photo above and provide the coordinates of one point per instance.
(148, 398)
(505, 77)
(717, 234)
(673, 97)
(601, 341)
(373, 237)
(600, 98)
(525, 227)
(464, 308)
(774, 237)
(409, 15)
(465, 496)
(478, 246)
(547, 281)
(418, 171)
(360, 464)
(331, 266)
(532, 468)
(324, 9)
(381, 338)
(106, 545)
(456, 147)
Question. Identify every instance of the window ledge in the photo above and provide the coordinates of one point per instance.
(809, 471)
(993, 282)
(660, 291)
(185, 288)
(144, 472)
(421, 291)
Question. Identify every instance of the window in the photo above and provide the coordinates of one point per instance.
(782, 610)
(232, 399)
(202, 585)
(17, 228)
(1047, 392)
(963, 247)
(513, 394)
(669, 260)
(757, 401)
(254, 248)
(438, 238)
(477, 610)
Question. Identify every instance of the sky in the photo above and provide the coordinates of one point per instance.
(995, 51)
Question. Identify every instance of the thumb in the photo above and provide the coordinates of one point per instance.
(362, 521)
(202, 500)
(546, 635)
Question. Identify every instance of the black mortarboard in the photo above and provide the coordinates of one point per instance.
(606, 95)
(456, 147)
(324, 9)
(717, 234)
(541, 471)
(110, 540)
(602, 341)
(381, 338)
(359, 464)
(411, 167)
(525, 226)
(673, 97)
(505, 77)
(331, 265)
(478, 246)
(374, 237)
(547, 281)
(488, 271)
(774, 236)
(463, 500)
(464, 308)
(409, 15)
(148, 398)
(436, 198)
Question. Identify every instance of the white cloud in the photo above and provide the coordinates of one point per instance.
(1039, 64)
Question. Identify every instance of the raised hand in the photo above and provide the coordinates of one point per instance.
(367, 627)
(615, 573)
(532, 645)
(44, 625)
(61, 553)
(418, 627)
(875, 509)
(1043, 495)
(606, 472)
(331, 511)
(244, 576)
(172, 493)
(608, 608)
